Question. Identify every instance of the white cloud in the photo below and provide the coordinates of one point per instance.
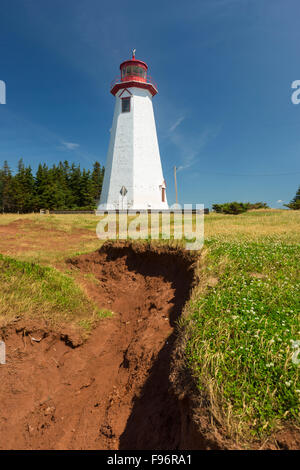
(176, 123)
(184, 167)
(279, 201)
(190, 149)
(70, 145)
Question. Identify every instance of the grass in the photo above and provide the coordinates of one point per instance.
(64, 222)
(38, 292)
(242, 329)
(264, 225)
(240, 326)
(47, 239)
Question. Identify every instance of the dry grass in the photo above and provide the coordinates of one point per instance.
(250, 225)
(255, 225)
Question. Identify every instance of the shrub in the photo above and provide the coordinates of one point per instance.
(237, 207)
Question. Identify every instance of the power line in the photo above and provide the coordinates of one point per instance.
(254, 174)
(243, 174)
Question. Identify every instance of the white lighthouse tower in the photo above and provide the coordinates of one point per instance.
(133, 174)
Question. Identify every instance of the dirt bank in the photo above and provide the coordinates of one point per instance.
(113, 391)
(125, 387)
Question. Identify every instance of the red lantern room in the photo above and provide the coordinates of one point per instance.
(133, 74)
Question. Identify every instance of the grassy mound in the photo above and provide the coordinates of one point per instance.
(33, 291)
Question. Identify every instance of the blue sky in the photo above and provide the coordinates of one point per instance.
(224, 70)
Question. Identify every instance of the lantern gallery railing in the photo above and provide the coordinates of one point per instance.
(133, 78)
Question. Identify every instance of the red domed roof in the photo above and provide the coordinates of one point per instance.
(133, 61)
(133, 74)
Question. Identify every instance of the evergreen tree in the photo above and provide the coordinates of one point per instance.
(24, 189)
(7, 190)
(97, 179)
(30, 203)
(62, 187)
(295, 203)
(1, 188)
(43, 187)
(62, 195)
(18, 186)
(75, 185)
(87, 199)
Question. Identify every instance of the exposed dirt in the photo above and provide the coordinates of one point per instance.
(123, 388)
(112, 392)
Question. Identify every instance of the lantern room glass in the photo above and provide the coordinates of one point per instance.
(133, 70)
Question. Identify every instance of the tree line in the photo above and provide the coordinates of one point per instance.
(60, 187)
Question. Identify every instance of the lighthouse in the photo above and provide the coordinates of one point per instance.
(133, 173)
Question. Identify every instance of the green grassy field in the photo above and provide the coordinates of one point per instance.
(241, 333)
(243, 322)
(240, 326)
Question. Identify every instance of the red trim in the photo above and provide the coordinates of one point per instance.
(134, 62)
(126, 98)
(148, 86)
(129, 78)
(125, 89)
(133, 79)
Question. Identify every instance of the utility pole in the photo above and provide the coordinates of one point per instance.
(175, 179)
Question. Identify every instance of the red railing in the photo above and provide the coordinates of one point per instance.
(133, 79)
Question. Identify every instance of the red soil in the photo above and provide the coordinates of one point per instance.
(116, 390)
(113, 391)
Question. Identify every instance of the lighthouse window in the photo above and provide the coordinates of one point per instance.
(125, 105)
